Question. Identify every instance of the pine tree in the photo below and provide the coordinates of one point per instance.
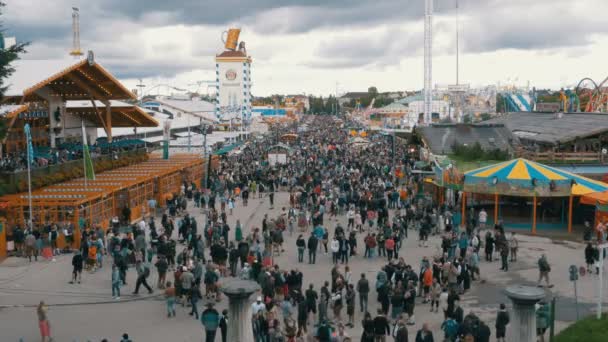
(7, 56)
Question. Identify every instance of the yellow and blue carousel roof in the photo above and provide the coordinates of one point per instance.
(520, 171)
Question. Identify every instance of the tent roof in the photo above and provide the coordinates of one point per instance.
(66, 78)
(525, 170)
(123, 114)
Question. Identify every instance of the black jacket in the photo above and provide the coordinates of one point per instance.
(312, 243)
(502, 319)
(381, 326)
(426, 338)
(401, 335)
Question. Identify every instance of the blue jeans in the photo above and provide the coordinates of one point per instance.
(171, 306)
(116, 290)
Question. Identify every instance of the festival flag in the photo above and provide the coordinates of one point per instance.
(28, 139)
(89, 172)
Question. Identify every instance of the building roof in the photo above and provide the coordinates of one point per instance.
(123, 114)
(232, 54)
(73, 80)
(199, 108)
(441, 138)
(9, 111)
(553, 128)
(394, 107)
(354, 95)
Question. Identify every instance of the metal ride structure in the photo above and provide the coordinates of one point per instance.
(592, 97)
(76, 51)
(428, 59)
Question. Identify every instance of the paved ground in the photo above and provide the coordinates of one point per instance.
(87, 312)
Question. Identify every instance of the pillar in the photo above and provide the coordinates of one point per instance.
(109, 121)
(238, 292)
(570, 202)
(523, 316)
(534, 215)
(495, 209)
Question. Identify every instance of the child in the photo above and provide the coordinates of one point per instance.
(170, 297)
(230, 205)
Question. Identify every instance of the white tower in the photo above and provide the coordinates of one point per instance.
(76, 52)
(233, 77)
(428, 60)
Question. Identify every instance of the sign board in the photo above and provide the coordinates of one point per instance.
(277, 158)
(459, 87)
(167, 130)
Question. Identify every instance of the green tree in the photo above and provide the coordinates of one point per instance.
(485, 116)
(372, 91)
(7, 56)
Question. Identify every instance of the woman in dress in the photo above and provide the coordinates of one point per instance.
(43, 322)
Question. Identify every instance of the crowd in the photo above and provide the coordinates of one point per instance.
(372, 188)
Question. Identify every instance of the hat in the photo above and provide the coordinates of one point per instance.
(259, 299)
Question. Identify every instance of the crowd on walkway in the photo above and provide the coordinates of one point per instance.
(328, 179)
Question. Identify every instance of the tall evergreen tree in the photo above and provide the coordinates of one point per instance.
(7, 56)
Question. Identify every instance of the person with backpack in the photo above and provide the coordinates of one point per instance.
(210, 319)
(543, 269)
(450, 329)
(143, 272)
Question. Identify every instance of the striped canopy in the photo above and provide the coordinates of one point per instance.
(523, 171)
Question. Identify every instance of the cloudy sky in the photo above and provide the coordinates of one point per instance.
(307, 46)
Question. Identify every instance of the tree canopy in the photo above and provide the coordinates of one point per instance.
(7, 56)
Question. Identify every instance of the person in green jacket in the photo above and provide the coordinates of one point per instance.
(542, 320)
(210, 319)
(238, 231)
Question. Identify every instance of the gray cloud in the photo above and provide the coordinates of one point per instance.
(111, 27)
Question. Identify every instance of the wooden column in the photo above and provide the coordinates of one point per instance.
(109, 121)
(534, 215)
(570, 202)
(495, 209)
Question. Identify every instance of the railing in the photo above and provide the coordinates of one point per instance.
(563, 157)
(13, 182)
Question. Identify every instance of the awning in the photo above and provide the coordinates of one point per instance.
(226, 149)
(153, 139)
(595, 198)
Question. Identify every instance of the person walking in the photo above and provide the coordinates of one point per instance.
(400, 333)
(301, 246)
(195, 296)
(170, 298)
(210, 319)
(543, 271)
(363, 290)
(143, 272)
(513, 246)
(115, 282)
(350, 305)
(313, 242)
(43, 322)
(224, 325)
(381, 327)
(161, 267)
(77, 264)
(502, 320)
(424, 334)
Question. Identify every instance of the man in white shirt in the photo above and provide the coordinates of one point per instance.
(257, 306)
(483, 218)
